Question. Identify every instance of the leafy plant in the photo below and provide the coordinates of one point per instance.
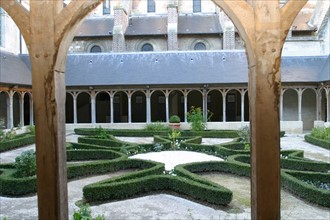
(174, 119)
(2, 123)
(173, 136)
(85, 213)
(244, 134)
(157, 126)
(321, 133)
(196, 119)
(158, 147)
(11, 134)
(32, 129)
(102, 133)
(26, 164)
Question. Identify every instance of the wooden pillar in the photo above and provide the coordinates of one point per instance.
(48, 30)
(263, 26)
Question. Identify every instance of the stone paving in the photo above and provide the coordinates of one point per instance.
(163, 206)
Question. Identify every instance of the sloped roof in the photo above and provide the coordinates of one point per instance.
(167, 68)
(96, 27)
(13, 70)
(147, 25)
(199, 24)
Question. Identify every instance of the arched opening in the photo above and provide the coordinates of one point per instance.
(69, 108)
(308, 109)
(214, 105)
(16, 109)
(102, 108)
(147, 47)
(138, 106)
(290, 105)
(233, 105)
(246, 107)
(158, 106)
(176, 104)
(3, 110)
(120, 107)
(195, 98)
(83, 108)
(323, 109)
(27, 109)
(96, 49)
(200, 46)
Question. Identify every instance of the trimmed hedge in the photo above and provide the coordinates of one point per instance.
(319, 142)
(19, 141)
(293, 181)
(146, 133)
(114, 189)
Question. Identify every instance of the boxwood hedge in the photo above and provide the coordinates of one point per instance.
(319, 142)
(19, 141)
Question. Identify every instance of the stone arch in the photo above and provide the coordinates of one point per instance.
(176, 104)
(214, 104)
(195, 98)
(16, 109)
(233, 105)
(83, 107)
(120, 106)
(138, 107)
(3, 109)
(308, 108)
(158, 106)
(102, 107)
(290, 105)
(27, 108)
(69, 108)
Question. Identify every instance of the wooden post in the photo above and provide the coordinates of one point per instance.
(263, 25)
(48, 30)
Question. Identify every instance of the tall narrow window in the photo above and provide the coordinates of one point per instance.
(197, 7)
(151, 6)
(106, 7)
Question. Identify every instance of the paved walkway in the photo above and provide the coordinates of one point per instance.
(164, 206)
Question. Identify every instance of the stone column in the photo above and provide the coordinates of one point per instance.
(205, 105)
(129, 96)
(328, 103)
(224, 94)
(243, 91)
(75, 118)
(281, 105)
(31, 111)
(10, 110)
(93, 107)
(21, 109)
(111, 108)
(318, 104)
(172, 26)
(148, 106)
(167, 106)
(300, 91)
(185, 95)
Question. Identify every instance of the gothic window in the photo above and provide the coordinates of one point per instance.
(106, 7)
(147, 47)
(96, 49)
(197, 7)
(151, 6)
(200, 46)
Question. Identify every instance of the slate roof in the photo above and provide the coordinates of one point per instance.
(13, 70)
(199, 24)
(96, 27)
(167, 68)
(146, 25)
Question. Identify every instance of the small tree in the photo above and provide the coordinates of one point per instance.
(196, 119)
(26, 164)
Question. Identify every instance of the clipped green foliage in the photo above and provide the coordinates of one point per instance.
(318, 141)
(321, 133)
(25, 164)
(175, 119)
(85, 213)
(18, 141)
(157, 126)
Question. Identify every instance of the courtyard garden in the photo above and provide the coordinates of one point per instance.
(100, 151)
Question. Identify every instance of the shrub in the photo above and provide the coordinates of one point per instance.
(102, 133)
(32, 129)
(175, 119)
(85, 213)
(318, 141)
(196, 119)
(26, 164)
(244, 134)
(173, 136)
(20, 140)
(321, 133)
